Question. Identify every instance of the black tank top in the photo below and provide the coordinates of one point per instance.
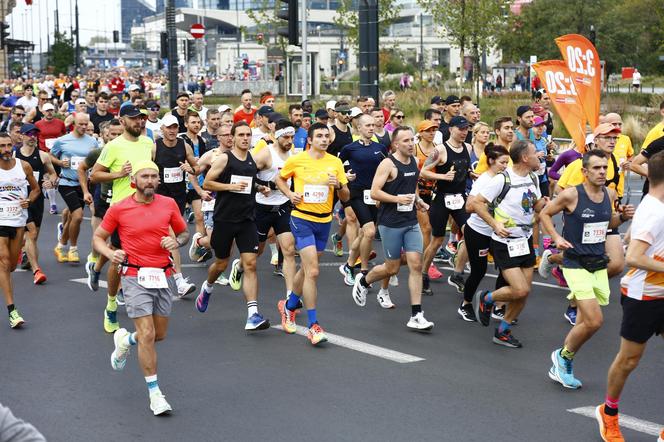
(405, 183)
(38, 116)
(385, 140)
(168, 159)
(578, 226)
(231, 206)
(461, 163)
(35, 162)
(341, 139)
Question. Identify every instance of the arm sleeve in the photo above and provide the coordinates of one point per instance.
(110, 221)
(343, 155)
(482, 165)
(645, 228)
(557, 165)
(106, 157)
(288, 169)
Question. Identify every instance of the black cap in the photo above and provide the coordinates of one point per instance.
(130, 110)
(151, 104)
(274, 117)
(28, 127)
(459, 122)
(264, 110)
(436, 100)
(321, 113)
(522, 110)
(452, 99)
(182, 94)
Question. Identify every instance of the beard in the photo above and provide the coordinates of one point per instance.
(6, 156)
(147, 191)
(133, 132)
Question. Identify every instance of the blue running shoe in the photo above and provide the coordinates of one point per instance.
(562, 371)
(257, 322)
(570, 314)
(202, 300)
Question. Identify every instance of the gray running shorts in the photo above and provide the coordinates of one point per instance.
(147, 302)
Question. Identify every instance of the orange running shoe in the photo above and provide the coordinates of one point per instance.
(287, 318)
(609, 429)
(434, 273)
(316, 334)
(661, 436)
(39, 277)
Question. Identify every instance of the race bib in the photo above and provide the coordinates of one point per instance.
(74, 162)
(454, 202)
(10, 210)
(35, 173)
(173, 175)
(152, 278)
(49, 142)
(297, 150)
(518, 247)
(208, 206)
(405, 207)
(242, 179)
(316, 193)
(594, 233)
(367, 198)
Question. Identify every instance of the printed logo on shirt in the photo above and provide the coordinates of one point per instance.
(528, 201)
(409, 174)
(587, 213)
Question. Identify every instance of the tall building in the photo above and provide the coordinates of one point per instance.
(132, 13)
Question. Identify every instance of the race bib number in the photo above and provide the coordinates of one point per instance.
(594, 233)
(297, 150)
(173, 175)
(315, 193)
(74, 162)
(367, 198)
(454, 202)
(10, 210)
(152, 278)
(406, 207)
(518, 247)
(49, 142)
(207, 206)
(235, 179)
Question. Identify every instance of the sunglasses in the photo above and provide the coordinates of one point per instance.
(33, 134)
(344, 112)
(155, 109)
(399, 117)
(20, 115)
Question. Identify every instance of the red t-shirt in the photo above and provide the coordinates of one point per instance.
(116, 85)
(241, 115)
(49, 130)
(141, 227)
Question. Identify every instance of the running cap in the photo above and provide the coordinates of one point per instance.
(144, 165)
(169, 120)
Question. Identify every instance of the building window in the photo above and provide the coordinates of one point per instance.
(442, 57)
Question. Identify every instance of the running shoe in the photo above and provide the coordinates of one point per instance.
(60, 230)
(60, 254)
(206, 254)
(188, 215)
(121, 351)
(93, 276)
(384, 299)
(316, 334)
(443, 256)
(222, 280)
(185, 287)
(15, 319)
(53, 210)
(570, 315)
(434, 273)
(119, 297)
(359, 292)
(39, 277)
(546, 243)
(661, 437)
(337, 245)
(235, 278)
(158, 404)
(451, 248)
(456, 281)
(194, 248)
(506, 339)
(278, 271)
(287, 318)
(426, 289)
(111, 321)
(545, 266)
(274, 260)
(558, 274)
(419, 323)
(562, 371)
(498, 313)
(25, 262)
(347, 272)
(202, 299)
(91, 258)
(482, 308)
(609, 428)
(466, 312)
(257, 322)
(72, 257)
(394, 281)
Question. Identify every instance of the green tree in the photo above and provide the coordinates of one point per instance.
(347, 18)
(61, 55)
(98, 39)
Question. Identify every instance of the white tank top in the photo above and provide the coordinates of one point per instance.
(13, 189)
(276, 197)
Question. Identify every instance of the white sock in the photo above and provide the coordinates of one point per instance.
(273, 249)
(207, 287)
(73, 248)
(153, 387)
(50, 194)
(252, 307)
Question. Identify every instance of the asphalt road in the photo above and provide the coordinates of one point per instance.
(226, 384)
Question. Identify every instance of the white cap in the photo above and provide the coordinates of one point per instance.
(355, 112)
(48, 107)
(224, 108)
(80, 101)
(134, 87)
(590, 138)
(331, 104)
(169, 120)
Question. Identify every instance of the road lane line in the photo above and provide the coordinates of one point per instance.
(626, 421)
(102, 284)
(363, 347)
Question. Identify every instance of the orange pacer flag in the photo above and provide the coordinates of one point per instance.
(583, 63)
(558, 83)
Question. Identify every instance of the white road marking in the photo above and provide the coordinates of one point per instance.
(626, 421)
(102, 284)
(363, 347)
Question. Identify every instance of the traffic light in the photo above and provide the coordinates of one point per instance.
(163, 48)
(116, 36)
(191, 49)
(4, 34)
(288, 11)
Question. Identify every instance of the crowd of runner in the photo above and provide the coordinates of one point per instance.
(452, 189)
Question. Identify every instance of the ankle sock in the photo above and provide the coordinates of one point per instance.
(503, 327)
(567, 354)
(488, 298)
(415, 309)
(111, 303)
(311, 315)
(153, 386)
(611, 406)
(292, 302)
(252, 307)
(10, 308)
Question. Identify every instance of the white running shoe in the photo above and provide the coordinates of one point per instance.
(194, 248)
(158, 404)
(359, 292)
(545, 266)
(185, 287)
(419, 323)
(222, 280)
(384, 299)
(394, 281)
(121, 351)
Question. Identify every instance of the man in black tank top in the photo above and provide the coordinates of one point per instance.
(341, 135)
(448, 165)
(44, 173)
(395, 186)
(587, 217)
(233, 177)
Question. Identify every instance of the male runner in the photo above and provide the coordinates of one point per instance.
(143, 222)
(181, 110)
(212, 129)
(194, 190)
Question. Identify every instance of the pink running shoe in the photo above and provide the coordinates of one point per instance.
(434, 273)
(558, 274)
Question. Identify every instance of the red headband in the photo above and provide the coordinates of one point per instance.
(265, 98)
